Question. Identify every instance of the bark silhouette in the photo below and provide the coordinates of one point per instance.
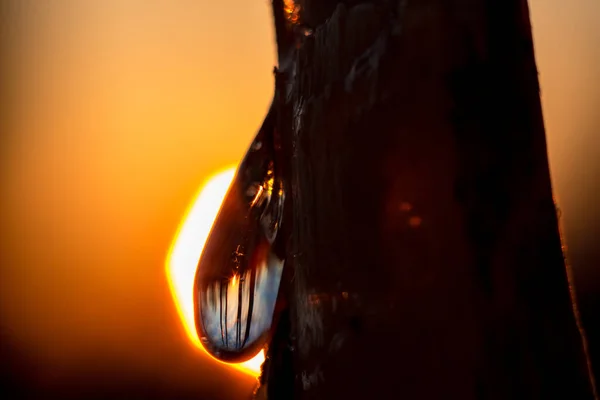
(425, 259)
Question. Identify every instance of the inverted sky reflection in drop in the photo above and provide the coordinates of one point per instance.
(227, 323)
(238, 275)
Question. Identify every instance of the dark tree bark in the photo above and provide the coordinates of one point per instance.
(426, 259)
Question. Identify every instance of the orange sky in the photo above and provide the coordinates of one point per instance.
(118, 111)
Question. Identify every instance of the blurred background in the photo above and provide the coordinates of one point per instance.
(114, 113)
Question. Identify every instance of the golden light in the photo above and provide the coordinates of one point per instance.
(291, 10)
(185, 252)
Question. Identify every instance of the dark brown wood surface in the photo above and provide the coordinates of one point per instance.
(425, 260)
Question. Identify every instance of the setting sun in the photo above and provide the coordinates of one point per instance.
(185, 252)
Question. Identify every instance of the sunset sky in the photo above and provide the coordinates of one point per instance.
(117, 110)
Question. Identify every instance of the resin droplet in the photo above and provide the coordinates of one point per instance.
(238, 276)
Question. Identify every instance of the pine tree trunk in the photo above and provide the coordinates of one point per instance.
(425, 259)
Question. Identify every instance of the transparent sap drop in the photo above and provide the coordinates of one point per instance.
(238, 276)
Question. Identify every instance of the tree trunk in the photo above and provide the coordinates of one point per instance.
(425, 260)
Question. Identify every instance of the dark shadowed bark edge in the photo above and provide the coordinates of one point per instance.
(424, 229)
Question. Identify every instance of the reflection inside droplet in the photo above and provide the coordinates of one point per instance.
(238, 276)
(231, 323)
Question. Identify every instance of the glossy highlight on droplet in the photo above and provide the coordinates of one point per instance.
(239, 273)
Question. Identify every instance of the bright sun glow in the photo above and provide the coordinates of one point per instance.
(185, 252)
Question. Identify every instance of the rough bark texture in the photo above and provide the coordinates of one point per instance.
(426, 258)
